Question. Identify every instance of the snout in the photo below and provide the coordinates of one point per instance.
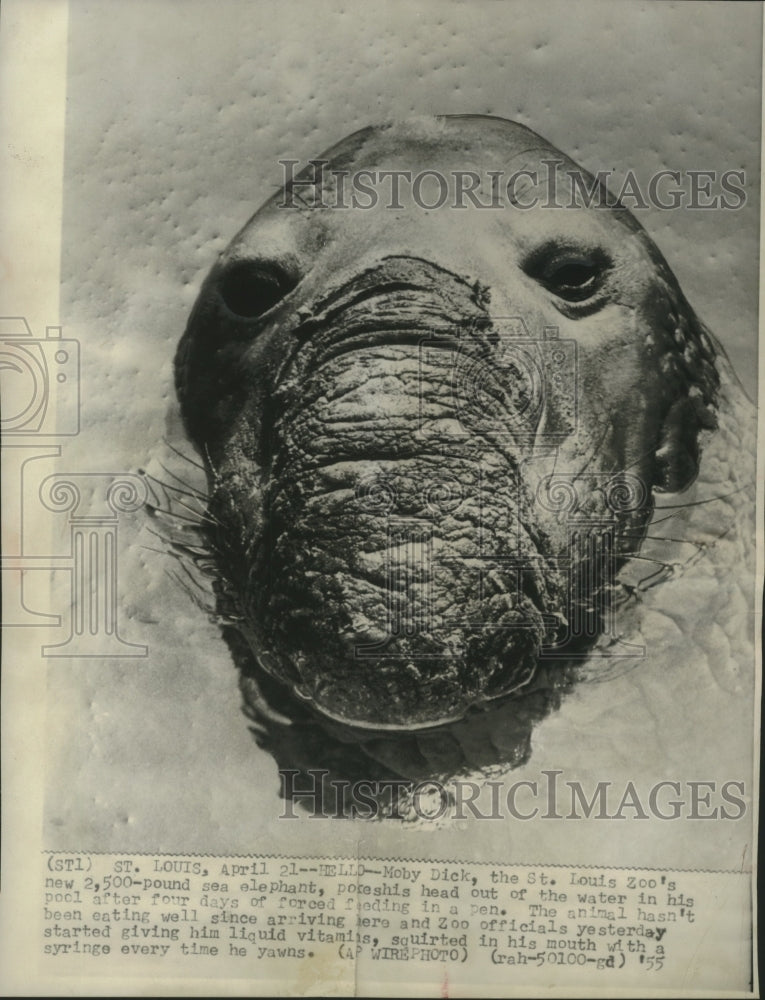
(378, 525)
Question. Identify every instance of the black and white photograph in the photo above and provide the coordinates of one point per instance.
(382, 527)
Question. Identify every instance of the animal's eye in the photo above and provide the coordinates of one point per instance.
(251, 288)
(572, 275)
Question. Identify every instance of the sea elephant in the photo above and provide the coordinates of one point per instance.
(438, 419)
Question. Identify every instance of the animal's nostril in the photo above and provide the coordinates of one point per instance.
(251, 288)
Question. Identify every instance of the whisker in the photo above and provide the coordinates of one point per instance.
(210, 463)
(154, 495)
(187, 571)
(192, 551)
(194, 597)
(202, 558)
(168, 488)
(173, 541)
(637, 461)
(595, 454)
(160, 512)
(658, 576)
(150, 548)
(188, 491)
(661, 520)
(170, 539)
(679, 541)
(698, 503)
(202, 515)
(660, 562)
(166, 505)
(181, 455)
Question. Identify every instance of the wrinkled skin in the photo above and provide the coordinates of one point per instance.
(380, 404)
